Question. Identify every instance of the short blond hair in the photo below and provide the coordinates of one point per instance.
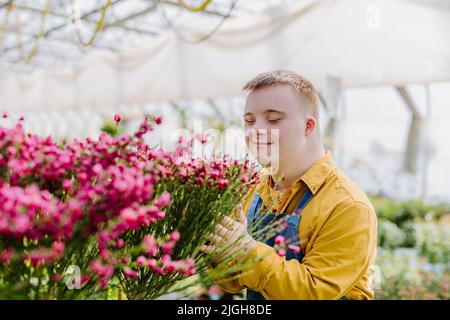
(301, 85)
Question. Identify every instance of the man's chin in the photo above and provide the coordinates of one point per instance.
(266, 165)
(269, 165)
(264, 162)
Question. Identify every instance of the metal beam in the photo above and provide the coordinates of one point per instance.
(412, 148)
(331, 101)
(62, 25)
(118, 23)
(207, 11)
(409, 102)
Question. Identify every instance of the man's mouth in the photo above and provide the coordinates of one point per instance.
(262, 143)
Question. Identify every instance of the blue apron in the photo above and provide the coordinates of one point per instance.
(290, 232)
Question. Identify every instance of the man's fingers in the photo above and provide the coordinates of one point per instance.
(214, 238)
(236, 210)
(207, 249)
(222, 231)
(242, 216)
(227, 221)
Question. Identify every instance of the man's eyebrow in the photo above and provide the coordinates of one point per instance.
(276, 111)
(267, 111)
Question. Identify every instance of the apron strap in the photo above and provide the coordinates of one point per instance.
(257, 201)
(307, 196)
(253, 208)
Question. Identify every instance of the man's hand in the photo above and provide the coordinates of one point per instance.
(231, 234)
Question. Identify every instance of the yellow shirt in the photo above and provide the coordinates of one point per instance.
(338, 236)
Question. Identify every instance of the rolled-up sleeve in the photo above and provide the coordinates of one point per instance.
(229, 283)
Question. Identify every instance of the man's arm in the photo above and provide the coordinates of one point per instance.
(339, 257)
(232, 234)
(228, 283)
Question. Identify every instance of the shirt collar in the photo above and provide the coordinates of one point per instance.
(314, 177)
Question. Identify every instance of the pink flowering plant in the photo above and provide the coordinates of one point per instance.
(112, 211)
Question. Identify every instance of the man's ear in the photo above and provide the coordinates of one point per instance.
(310, 125)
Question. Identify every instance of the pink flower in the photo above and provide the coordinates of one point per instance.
(152, 264)
(97, 168)
(200, 137)
(141, 261)
(22, 223)
(158, 120)
(10, 151)
(120, 243)
(295, 249)
(5, 115)
(143, 129)
(107, 274)
(163, 200)
(159, 271)
(117, 118)
(67, 184)
(153, 211)
(191, 272)
(170, 268)
(174, 236)
(38, 256)
(150, 246)
(281, 252)
(222, 183)
(109, 184)
(84, 279)
(160, 215)
(215, 173)
(121, 185)
(58, 249)
(190, 262)
(57, 277)
(279, 240)
(167, 248)
(188, 268)
(165, 259)
(183, 173)
(124, 260)
(97, 267)
(130, 217)
(105, 254)
(129, 273)
(5, 255)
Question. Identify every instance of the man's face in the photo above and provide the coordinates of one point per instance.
(275, 126)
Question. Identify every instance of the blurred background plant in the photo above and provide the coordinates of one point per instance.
(413, 253)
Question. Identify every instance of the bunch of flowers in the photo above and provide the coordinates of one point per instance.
(79, 217)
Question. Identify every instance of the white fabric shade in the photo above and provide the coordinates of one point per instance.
(361, 42)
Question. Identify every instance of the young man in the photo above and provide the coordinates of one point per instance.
(331, 218)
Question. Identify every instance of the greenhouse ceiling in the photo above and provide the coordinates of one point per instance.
(36, 34)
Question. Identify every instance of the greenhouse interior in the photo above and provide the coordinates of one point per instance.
(128, 169)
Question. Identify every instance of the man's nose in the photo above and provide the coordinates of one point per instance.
(260, 127)
(262, 135)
